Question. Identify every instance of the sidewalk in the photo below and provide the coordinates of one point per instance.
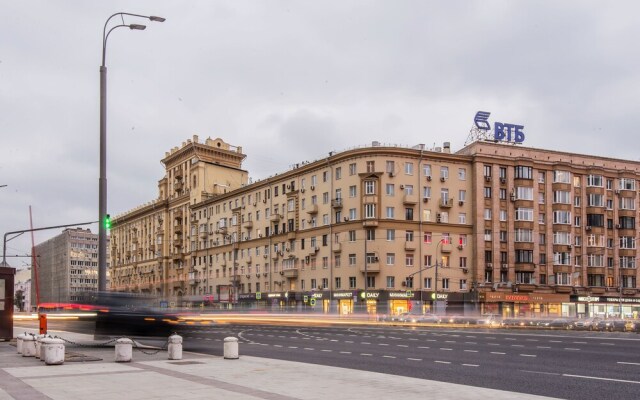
(91, 373)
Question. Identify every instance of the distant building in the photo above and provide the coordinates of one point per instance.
(67, 266)
(22, 283)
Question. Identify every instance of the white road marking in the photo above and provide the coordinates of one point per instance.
(345, 352)
(627, 363)
(517, 345)
(449, 341)
(510, 338)
(277, 345)
(327, 351)
(365, 354)
(471, 351)
(365, 343)
(555, 341)
(309, 348)
(599, 378)
(471, 365)
(532, 340)
(383, 344)
(471, 342)
(424, 347)
(293, 347)
(528, 355)
(607, 344)
(388, 356)
(493, 344)
(443, 362)
(402, 345)
(571, 348)
(444, 348)
(497, 352)
(414, 359)
(580, 342)
(543, 347)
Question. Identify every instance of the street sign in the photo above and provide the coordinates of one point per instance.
(305, 298)
(258, 295)
(312, 302)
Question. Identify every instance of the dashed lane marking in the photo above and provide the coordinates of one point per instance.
(627, 363)
(388, 357)
(424, 347)
(442, 362)
(497, 352)
(471, 351)
(414, 359)
(528, 355)
(446, 349)
(365, 354)
(471, 365)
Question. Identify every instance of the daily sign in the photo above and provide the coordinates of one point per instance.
(501, 131)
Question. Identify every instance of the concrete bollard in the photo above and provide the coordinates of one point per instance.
(53, 352)
(39, 346)
(20, 342)
(175, 347)
(124, 348)
(43, 346)
(29, 346)
(231, 348)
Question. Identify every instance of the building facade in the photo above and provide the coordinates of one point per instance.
(491, 228)
(67, 266)
(22, 290)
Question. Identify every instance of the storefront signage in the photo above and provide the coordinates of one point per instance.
(605, 299)
(274, 295)
(501, 131)
(317, 295)
(523, 298)
(370, 295)
(440, 296)
(401, 295)
(343, 295)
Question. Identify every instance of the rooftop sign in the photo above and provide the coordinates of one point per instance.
(502, 132)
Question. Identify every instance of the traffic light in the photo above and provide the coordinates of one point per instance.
(107, 221)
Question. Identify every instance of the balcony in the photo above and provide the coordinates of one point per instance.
(337, 247)
(597, 290)
(371, 268)
(446, 203)
(525, 287)
(525, 267)
(204, 234)
(291, 235)
(178, 242)
(409, 199)
(368, 223)
(291, 273)
(336, 203)
(563, 289)
(409, 246)
(313, 209)
(178, 174)
(275, 218)
(178, 185)
(446, 247)
(248, 224)
(176, 256)
(177, 228)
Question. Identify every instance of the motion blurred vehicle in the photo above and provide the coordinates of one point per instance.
(560, 323)
(130, 315)
(429, 319)
(587, 324)
(490, 320)
(612, 325)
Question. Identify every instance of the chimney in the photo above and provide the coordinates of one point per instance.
(447, 147)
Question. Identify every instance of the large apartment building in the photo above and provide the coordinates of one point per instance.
(492, 228)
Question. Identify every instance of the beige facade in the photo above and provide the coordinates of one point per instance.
(375, 225)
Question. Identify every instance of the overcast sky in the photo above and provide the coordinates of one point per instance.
(307, 77)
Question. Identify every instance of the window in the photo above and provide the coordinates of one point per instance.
(486, 171)
(338, 282)
(541, 176)
(627, 203)
(462, 218)
(391, 167)
(426, 192)
(524, 235)
(408, 213)
(462, 174)
(391, 282)
(445, 283)
(369, 187)
(409, 260)
(594, 180)
(523, 172)
(352, 260)
(503, 215)
(462, 195)
(391, 235)
(524, 214)
(352, 169)
(487, 234)
(338, 173)
(562, 217)
(352, 191)
(576, 181)
(352, 236)
(408, 168)
(561, 177)
(502, 171)
(463, 284)
(371, 166)
(408, 236)
(390, 189)
(352, 282)
(540, 197)
(503, 194)
(427, 237)
(627, 184)
(390, 212)
(427, 283)
(426, 168)
(444, 172)
(487, 213)
(391, 258)
(562, 197)
(595, 200)
(487, 192)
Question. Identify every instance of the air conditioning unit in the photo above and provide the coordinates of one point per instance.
(260, 235)
(465, 270)
(513, 197)
(307, 259)
(442, 179)
(281, 272)
(487, 178)
(503, 180)
(317, 249)
(302, 190)
(346, 219)
(461, 203)
(438, 218)
(618, 226)
(255, 203)
(588, 227)
(401, 187)
(425, 199)
(489, 265)
(617, 191)
(257, 274)
(391, 174)
(376, 259)
(313, 187)
(460, 247)
(265, 256)
(429, 178)
(288, 186)
(264, 201)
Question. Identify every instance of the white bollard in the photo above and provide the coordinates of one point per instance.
(124, 348)
(175, 347)
(39, 346)
(29, 346)
(54, 352)
(44, 342)
(20, 342)
(231, 348)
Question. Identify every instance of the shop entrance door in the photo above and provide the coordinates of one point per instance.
(6, 302)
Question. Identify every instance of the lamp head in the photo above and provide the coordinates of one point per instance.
(156, 19)
(137, 27)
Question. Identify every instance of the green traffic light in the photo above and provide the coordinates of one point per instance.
(107, 221)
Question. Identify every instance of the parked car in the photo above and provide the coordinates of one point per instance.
(489, 320)
(611, 325)
(587, 324)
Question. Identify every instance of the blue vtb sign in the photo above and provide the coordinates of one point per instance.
(501, 131)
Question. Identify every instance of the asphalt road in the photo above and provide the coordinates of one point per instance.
(563, 364)
(572, 365)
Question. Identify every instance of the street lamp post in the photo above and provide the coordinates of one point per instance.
(102, 201)
(435, 293)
